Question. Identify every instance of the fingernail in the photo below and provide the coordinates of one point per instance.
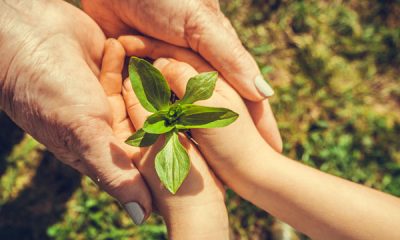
(263, 87)
(127, 84)
(111, 41)
(160, 63)
(135, 211)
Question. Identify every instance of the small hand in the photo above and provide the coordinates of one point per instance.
(197, 209)
(229, 149)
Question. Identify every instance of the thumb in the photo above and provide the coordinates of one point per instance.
(210, 33)
(108, 163)
(135, 110)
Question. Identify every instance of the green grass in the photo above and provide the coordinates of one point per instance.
(334, 66)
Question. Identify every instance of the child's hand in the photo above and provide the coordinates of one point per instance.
(230, 150)
(320, 205)
(198, 209)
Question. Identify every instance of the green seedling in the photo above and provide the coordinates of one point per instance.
(170, 117)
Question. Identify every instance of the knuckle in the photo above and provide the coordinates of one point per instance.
(112, 77)
(194, 27)
(134, 106)
(240, 65)
(119, 184)
(239, 55)
(175, 72)
(176, 69)
(213, 5)
(113, 184)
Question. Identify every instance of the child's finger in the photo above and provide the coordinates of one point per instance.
(176, 73)
(136, 112)
(124, 129)
(115, 172)
(111, 80)
(111, 69)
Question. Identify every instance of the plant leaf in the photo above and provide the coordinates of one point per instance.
(200, 87)
(142, 139)
(195, 116)
(157, 123)
(149, 85)
(172, 163)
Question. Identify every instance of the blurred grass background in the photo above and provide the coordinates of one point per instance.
(335, 68)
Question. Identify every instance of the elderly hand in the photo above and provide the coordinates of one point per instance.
(50, 57)
(201, 26)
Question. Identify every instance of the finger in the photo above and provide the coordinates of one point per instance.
(227, 24)
(179, 73)
(119, 177)
(124, 129)
(111, 69)
(108, 162)
(261, 112)
(136, 112)
(111, 81)
(176, 73)
(213, 5)
(265, 122)
(207, 35)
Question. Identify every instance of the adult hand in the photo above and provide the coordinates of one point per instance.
(197, 24)
(51, 52)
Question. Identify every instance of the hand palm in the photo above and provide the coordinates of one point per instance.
(55, 96)
(62, 88)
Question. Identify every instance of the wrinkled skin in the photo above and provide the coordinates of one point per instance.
(196, 24)
(49, 87)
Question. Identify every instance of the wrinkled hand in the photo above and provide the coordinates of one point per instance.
(51, 53)
(197, 24)
(197, 210)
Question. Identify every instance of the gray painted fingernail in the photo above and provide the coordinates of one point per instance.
(135, 211)
(263, 87)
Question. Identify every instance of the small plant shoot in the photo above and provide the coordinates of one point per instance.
(168, 117)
